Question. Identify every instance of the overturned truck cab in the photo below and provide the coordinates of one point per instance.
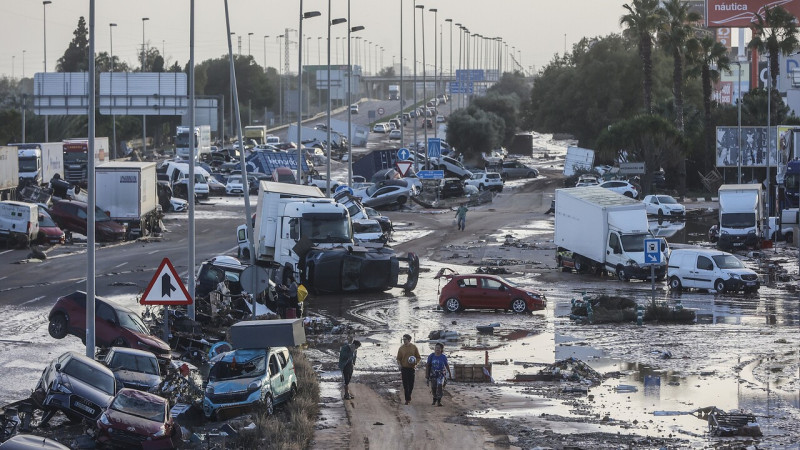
(297, 225)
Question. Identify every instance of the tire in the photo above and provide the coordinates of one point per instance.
(789, 237)
(519, 306)
(246, 254)
(531, 175)
(293, 392)
(58, 326)
(481, 187)
(580, 267)
(675, 284)
(660, 214)
(719, 286)
(401, 201)
(119, 342)
(621, 275)
(452, 305)
(628, 194)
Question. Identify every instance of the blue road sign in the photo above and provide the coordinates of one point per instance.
(652, 251)
(470, 75)
(434, 147)
(403, 154)
(344, 187)
(461, 87)
(430, 174)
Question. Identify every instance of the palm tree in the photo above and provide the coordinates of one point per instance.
(643, 19)
(709, 58)
(774, 33)
(673, 35)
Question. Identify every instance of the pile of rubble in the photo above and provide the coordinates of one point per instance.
(571, 369)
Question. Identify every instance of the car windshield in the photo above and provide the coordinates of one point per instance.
(46, 221)
(508, 282)
(134, 363)
(330, 228)
(667, 200)
(634, 242)
(728, 262)
(233, 369)
(286, 178)
(738, 220)
(139, 407)
(100, 215)
(92, 376)
(199, 178)
(132, 322)
(235, 180)
(368, 227)
(27, 164)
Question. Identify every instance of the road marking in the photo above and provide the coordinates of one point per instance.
(154, 251)
(120, 265)
(1, 279)
(3, 253)
(82, 280)
(31, 301)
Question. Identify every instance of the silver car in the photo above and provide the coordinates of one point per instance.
(515, 169)
(388, 194)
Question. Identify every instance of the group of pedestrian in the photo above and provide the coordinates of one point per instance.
(437, 369)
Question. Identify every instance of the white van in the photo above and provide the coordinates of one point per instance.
(178, 172)
(709, 269)
(19, 222)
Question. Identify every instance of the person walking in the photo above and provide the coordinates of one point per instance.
(461, 215)
(347, 359)
(435, 373)
(408, 358)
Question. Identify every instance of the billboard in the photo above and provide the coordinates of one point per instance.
(742, 13)
(753, 143)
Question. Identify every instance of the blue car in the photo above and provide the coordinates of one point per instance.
(242, 379)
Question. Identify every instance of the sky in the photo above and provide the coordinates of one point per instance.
(536, 29)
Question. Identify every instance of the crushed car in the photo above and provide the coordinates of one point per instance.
(135, 369)
(136, 419)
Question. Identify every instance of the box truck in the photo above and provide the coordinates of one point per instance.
(127, 191)
(9, 173)
(741, 210)
(38, 163)
(599, 230)
(202, 142)
(76, 158)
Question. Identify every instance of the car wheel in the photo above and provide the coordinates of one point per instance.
(268, 404)
(531, 175)
(628, 194)
(789, 237)
(401, 201)
(246, 254)
(675, 283)
(119, 342)
(58, 326)
(621, 274)
(481, 187)
(719, 286)
(660, 213)
(452, 304)
(519, 306)
(293, 392)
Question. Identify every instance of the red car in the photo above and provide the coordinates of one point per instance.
(475, 291)
(115, 325)
(71, 216)
(137, 419)
(49, 232)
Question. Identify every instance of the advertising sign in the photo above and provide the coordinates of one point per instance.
(753, 147)
(742, 13)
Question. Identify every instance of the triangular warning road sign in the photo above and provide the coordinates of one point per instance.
(166, 288)
(403, 167)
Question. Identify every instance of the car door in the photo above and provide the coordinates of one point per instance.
(703, 275)
(106, 324)
(613, 251)
(494, 294)
(468, 291)
(277, 380)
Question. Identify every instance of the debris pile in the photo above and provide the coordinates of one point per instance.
(603, 309)
(721, 423)
(511, 241)
(571, 369)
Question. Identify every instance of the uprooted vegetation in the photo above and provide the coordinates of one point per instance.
(613, 309)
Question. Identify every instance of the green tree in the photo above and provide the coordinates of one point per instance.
(774, 33)
(673, 35)
(643, 19)
(76, 57)
(708, 57)
(512, 83)
(505, 106)
(103, 63)
(473, 130)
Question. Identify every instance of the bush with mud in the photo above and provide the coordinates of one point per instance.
(664, 314)
(292, 425)
(605, 309)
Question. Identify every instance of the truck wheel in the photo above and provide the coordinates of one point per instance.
(675, 283)
(58, 326)
(719, 286)
(246, 254)
(580, 266)
(519, 306)
(621, 275)
(789, 237)
(452, 305)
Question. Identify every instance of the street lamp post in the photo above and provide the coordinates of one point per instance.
(306, 15)
(400, 93)
(331, 22)
(249, 35)
(280, 81)
(424, 87)
(144, 116)
(111, 27)
(44, 27)
(451, 59)
(23, 64)
(416, 114)
(739, 127)
(265, 59)
(350, 100)
(435, 12)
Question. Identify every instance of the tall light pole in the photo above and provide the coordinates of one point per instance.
(111, 27)
(280, 81)
(331, 22)
(424, 88)
(23, 64)
(458, 83)
(400, 93)
(350, 100)
(144, 116)
(191, 256)
(739, 127)
(306, 15)
(44, 27)
(249, 35)
(451, 59)
(416, 111)
(265, 57)
(435, 12)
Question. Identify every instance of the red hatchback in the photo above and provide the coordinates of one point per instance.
(115, 325)
(137, 419)
(475, 291)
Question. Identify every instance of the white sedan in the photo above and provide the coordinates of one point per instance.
(621, 187)
(663, 205)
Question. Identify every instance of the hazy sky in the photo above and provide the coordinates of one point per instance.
(537, 28)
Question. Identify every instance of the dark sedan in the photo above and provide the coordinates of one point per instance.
(71, 216)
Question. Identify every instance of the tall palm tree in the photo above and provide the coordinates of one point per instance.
(708, 58)
(643, 19)
(675, 31)
(774, 32)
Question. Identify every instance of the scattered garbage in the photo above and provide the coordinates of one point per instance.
(487, 329)
(626, 388)
(443, 335)
(721, 423)
(511, 241)
(492, 270)
(570, 369)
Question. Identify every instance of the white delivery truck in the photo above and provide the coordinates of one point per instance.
(597, 229)
(202, 142)
(128, 192)
(9, 173)
(257, 133)
(298, 226)
(19, 222)
(741, 210)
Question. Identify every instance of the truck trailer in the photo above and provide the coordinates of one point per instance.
(9, 173)
(599, 230)
(127, 191)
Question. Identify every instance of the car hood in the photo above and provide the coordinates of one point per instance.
(136, 380)
(740, 272)
(87, 391)
(51, 231)
(153, 342)
(124, 421)
(237, 385)
(111, 226)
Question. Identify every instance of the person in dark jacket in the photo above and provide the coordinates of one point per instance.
(347, 360)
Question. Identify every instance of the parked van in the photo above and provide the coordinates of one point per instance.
(178, 172)
(709, 269)
(19, 222)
